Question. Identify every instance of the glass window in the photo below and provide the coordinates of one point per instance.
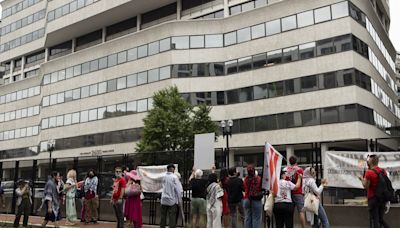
(165, 72)
(142, 51)
(121, 109)
(340, 10)
(247, 125)
(46, 79)
(348, 113)
(231, 67)
(112, 60)
(247, 6)
(67, 119)
(165, 44)
(309, 83)
(325, 47)
(235, 9)
(257, 31)
(329, 115)
(259, 60)
(131, 80)
(345, 77)
(121, 58)
(52, 122)
(131, 107)
(46, 101)
(328, 80)
(85, 68)
(75, 117)
(289, 23)
(45, 123)
(111, 85)
(213, 41)
(60, 98)
(76, 94)
(94, 65)
(60, 121)
(85, 92)
(69, 72)
(132, 54)
(274, 57)
(142, 78)
(93, 90)
(290, 54)
(307, 51)
(84, 116)
(142, 105)
(121, 83)
(103, 63)
(180, 42)
(77, 70)
(292, 119)
(61, 75)
(153, 75)
(24, 113)
(243, 35)
(54, 77)
(275, 89)
(154, 48)
(230, 38)
(322, 14)
(102, 87)
(93, 114)
(233, 96)
(342, 43)
(310, 117)
(53, 99)
(273, 27)
(260, 91)
(196, 41)
(101, 113)
(246, 94)
(305, 19)
(244, 64)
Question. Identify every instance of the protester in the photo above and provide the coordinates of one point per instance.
(214, 202)
(51, 201)
(310, 186)
(370, 182)
(284, 207)
(293, 171)
(70, 189)
(91, 198)
(61, 195)
(235, 191)
(81, 195)
(224, 178)
(199, 193)
(252, 198)
(24, 202)
(119, 186)
(133, 203)
(170, 197)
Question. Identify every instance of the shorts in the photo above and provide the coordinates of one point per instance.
(199, 206)
(298, 200)
(51, 216)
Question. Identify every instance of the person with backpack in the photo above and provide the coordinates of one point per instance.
(378, 188)
(292, 174)
(252, 198)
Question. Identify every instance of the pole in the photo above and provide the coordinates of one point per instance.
(227, 150)
(50, 167)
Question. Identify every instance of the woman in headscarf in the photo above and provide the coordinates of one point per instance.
(214, 202)
(252, 198)
(310, 186)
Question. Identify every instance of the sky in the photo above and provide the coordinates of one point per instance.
(394, 32)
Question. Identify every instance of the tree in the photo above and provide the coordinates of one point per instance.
(172, 122)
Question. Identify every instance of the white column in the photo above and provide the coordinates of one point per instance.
(46, 54)
(226, 8)
(138, 21)
(178, 9)
(289, 152)
(73, 44)
(104, 33)
(22, 67)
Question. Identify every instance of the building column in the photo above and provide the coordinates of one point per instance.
(138, 22)
(104, 33)
(226, 8)
(46, 54)
(73, 45)
(289, 152)
(178, 9)
(23, 67)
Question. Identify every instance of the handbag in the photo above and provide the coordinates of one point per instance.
(311, 203)
(269, 205)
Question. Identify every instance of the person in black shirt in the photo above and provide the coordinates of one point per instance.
(235, 189)
(199, 192)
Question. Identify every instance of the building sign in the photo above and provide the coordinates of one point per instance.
(96, 153)
(342, 168)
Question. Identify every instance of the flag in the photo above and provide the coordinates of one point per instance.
(272, 168)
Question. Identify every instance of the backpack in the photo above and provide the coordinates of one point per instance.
(384, 189)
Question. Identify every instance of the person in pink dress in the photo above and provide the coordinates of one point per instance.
(133, 203)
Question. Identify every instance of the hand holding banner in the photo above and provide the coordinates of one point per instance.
(272, 168)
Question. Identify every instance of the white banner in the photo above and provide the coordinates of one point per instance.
(342, 168)
(152, 176)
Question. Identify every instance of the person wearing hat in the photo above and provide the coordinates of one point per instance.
(133, 203)
(170, 197)
(24, 202)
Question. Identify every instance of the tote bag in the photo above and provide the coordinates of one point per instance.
(311, 203)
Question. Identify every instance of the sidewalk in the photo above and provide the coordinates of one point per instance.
(36, 221)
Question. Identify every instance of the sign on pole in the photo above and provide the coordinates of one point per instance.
(204, 155)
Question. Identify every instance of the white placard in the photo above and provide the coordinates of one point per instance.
(204, 155)
(152, 177)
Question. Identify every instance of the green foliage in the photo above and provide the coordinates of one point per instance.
(172, 123)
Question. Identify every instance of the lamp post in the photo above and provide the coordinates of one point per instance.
(226, 133)
(50, 147)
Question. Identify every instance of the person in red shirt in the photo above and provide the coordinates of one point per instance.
(292, 174)
(117, 196)
(370, 182)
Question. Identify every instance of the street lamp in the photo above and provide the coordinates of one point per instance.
(227, 132)
(50, 147)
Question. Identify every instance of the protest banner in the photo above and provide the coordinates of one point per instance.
(343, 168)
(152, 176)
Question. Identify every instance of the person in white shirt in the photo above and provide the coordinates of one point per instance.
(170, 197)
(284, 207)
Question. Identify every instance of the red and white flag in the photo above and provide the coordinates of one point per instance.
(272, 169)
